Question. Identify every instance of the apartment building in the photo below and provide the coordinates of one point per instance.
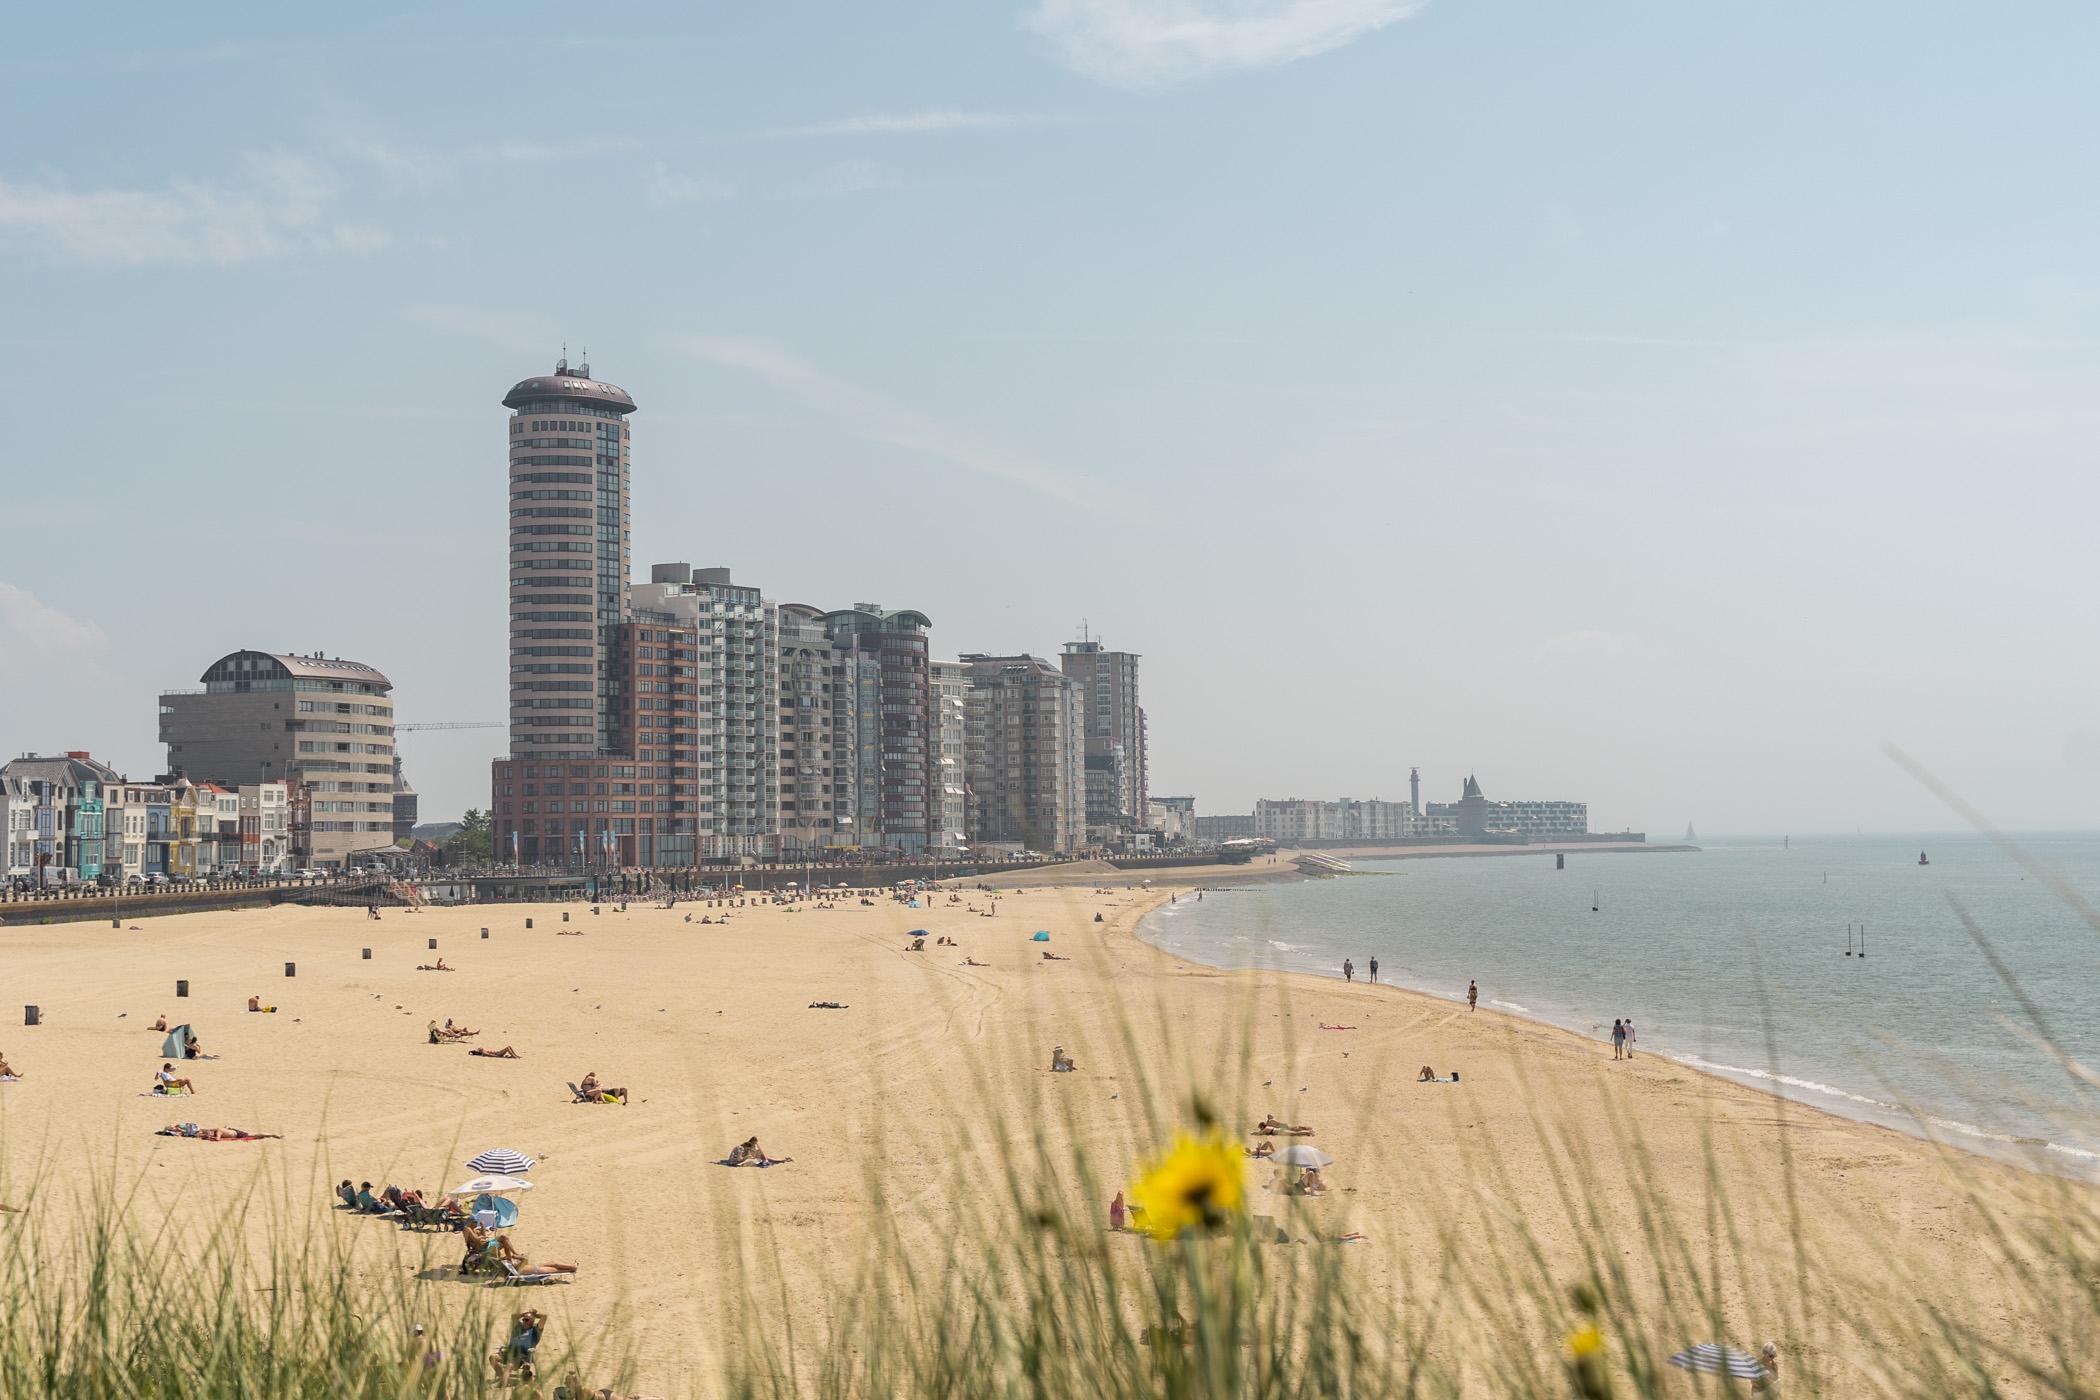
(321, 723)
(1025, 754)
(730, 688)
(1114, 723)
(949, 804)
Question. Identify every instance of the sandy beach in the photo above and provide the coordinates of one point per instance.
(711, 1029)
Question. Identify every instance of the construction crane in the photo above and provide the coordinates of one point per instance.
(451, 724)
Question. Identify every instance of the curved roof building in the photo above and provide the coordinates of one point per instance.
(570, 519)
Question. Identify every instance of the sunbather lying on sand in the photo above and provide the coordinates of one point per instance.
(438, 966)
(827, 1006)
(1049, 956)
(8, 1071)
(972, 962)
(506, 1053)
(749, 1154)
(1266, 1149)
(191, 1130)
(1273, 1126)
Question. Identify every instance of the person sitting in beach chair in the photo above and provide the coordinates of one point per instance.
(7, 1071)
(517, 1266)
(458, 1032)
(506, 1053)
(1263, 1150)
(918, 945)
(346, 1193)
(515, 1359)
(591, 1091)
(1060, 1062)
(438, 966)
(169, 1082)
(1272, 1126)
(367, 1202)
(749, 1154)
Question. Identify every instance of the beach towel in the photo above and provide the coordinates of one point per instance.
(749, 1162)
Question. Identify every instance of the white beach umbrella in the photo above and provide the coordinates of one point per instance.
(491, 1186)
(1301, 1155)
(501, 1161)
(1713, 1359)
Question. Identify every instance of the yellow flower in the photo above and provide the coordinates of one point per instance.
(1200, 1185)
(1586, 1363)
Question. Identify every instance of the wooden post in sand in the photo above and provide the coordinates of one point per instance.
(484, 933)
(32, 1016)
(182, 987)
(433, 943)
(291, 969)
(528, 923)
(564, 916)
(368, 955)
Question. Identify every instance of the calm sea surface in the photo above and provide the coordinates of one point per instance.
(1732, 959)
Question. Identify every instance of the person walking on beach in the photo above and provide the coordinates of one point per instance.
(1629, 1037)
(1618, 1039)
(1472, 995)
(1374, 969)
(1348, 970)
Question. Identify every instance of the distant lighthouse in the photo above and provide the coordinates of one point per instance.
(1414, 791)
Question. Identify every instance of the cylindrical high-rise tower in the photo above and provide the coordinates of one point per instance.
(569, 522)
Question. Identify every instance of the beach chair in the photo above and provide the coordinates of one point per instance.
(511, 1276)
(482, 1261)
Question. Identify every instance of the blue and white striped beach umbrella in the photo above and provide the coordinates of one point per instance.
(1713, 1359)
(501, 1162)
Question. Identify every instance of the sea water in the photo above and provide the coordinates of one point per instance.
(1732, 958)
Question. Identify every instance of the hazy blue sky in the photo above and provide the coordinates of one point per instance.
(1661, 403)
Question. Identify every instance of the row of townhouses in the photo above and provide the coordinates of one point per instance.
(69, 819)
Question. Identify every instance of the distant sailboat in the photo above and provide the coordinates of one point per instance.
(1922, 860)
(1689, 833)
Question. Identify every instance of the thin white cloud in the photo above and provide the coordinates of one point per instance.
(525, 152)
(920, 123)
(400, 166)
(853, 177)
(876, 418)
(284, 206)
(29, 625)
(668, 189)
(1146, 44)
